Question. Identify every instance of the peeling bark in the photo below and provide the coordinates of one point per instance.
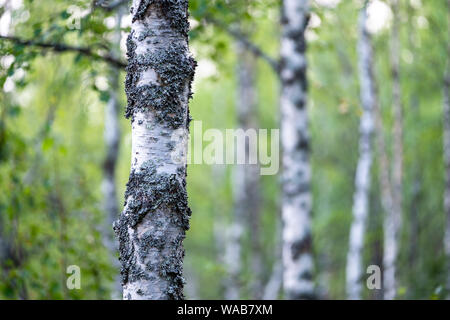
(354, 269)
(298, 262)
(152, 226)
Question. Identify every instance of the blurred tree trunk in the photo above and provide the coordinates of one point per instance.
(416, 200)
(152, 226)
(354, 270)
(416, 197)
(393, 218)
(446, 109)
(112, 142)
(246, 182)
(383, 171)
(298, 262)
(273, 286)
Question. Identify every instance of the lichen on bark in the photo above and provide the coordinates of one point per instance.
(152, 226)
(172, 67)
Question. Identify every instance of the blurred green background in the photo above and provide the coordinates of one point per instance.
(52, 147)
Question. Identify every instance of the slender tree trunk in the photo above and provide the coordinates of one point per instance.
(414, 229)
(298, 262)
(393, 218)
(152, 226)
(220, 237)
(112, 142)
(246, 181)
(233, 246)
(273, 286)
(414, 222)
(354, 270)
(446, 107)
(385, 183)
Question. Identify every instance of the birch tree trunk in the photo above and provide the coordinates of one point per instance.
(385, 183)
(273, 286)
(112, 142)
(414, 107)
(446, 140)
(152, 226)
(393, 218)
(354, 269)
(298, 262)
(246, 180)
(233, 246)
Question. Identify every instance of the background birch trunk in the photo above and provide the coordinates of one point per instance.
(354, 270)
(385, 183)
(112, 141)
(152, 226)
(246, 185)
(273, 285)
(247, 176)
(446, 140)
(393, 219)
(298, 262)
(414, 107)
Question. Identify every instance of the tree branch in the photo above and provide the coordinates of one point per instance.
(105, 5)
(239, 36)
(60, 47)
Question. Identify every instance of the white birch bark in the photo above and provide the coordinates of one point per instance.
(298, 262)
(354, 269)
(152, 226)
(446, 141)
(233, 259)
(393, 218)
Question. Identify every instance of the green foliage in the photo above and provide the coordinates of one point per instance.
(52, 149)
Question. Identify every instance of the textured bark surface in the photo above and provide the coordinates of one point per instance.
(446, 140)
(354, 268)
(152, 226)
(393, 218)
(112, 143)
(296, 177)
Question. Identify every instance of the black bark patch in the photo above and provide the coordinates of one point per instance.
(301, 246)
